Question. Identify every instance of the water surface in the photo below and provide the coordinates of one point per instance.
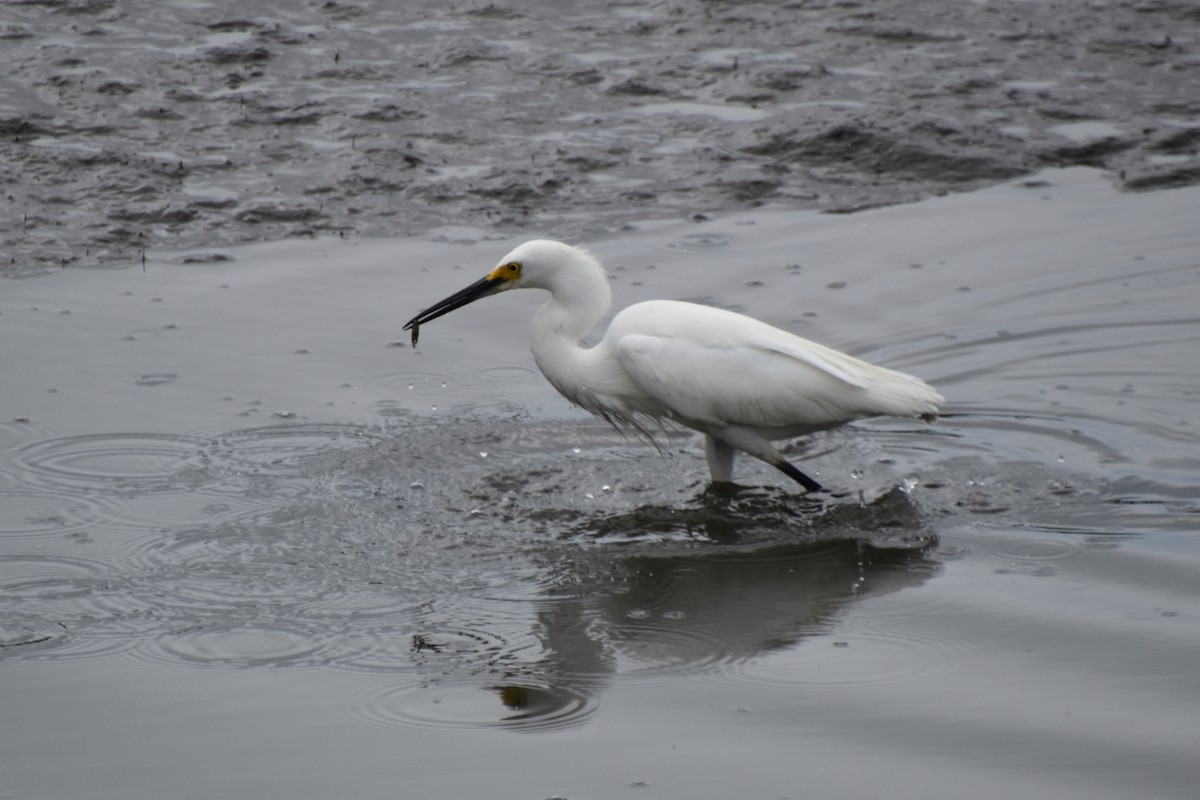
(251, 541)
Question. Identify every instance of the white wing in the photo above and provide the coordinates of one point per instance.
(716, 367)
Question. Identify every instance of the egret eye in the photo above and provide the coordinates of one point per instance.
(514, 269)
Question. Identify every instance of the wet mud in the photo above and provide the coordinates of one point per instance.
(135, 126)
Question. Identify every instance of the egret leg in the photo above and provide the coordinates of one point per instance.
(751, 443)
(799, 477)
(720, 459)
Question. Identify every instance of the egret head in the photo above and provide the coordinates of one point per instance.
(536, 264)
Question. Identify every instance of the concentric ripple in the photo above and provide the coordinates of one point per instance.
(470, 704)
(898, 648)
(40, 512)
(119, 483)
(240, 645)
(41, 578)
(197, 588)
(1028, 555)
(666, 647)
(112, 462)
(701, 241)
(63, 607)
(53, 640)
(504, 374)
(279, 451)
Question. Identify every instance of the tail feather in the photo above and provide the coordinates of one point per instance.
(899, 394)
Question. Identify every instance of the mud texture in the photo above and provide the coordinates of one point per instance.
(140, 125)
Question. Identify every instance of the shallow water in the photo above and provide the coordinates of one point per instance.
(251, 541)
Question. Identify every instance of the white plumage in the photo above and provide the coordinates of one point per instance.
(740, 382)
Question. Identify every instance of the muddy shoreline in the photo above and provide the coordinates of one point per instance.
(131, 126)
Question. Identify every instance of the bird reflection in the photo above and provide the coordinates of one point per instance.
(673, 613)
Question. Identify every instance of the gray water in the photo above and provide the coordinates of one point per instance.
(253, 543)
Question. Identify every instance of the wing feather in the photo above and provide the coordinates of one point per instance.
(713, 367)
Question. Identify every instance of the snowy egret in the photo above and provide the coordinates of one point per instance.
(739, 381)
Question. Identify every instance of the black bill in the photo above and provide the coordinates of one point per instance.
(481, 288)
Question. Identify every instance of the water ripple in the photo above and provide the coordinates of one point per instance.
(45, 577)
(240, 644)
(700, 241)
(471, 704)
(1029, 556)
(112, 462)
(897, 649)
(65, 607)
(36, 513)
(279, 451)
(653, 648)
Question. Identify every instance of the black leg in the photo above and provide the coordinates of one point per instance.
(799, 477)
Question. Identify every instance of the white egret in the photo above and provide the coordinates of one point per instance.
(739, 381)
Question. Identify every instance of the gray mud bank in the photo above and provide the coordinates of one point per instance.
(138, 125)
